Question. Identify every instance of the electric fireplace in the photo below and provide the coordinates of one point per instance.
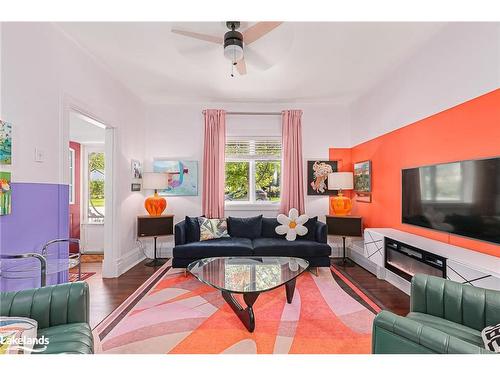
(405, 260)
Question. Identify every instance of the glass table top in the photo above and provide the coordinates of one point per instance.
(247, 274)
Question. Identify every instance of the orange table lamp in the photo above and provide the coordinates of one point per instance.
(155, 205)
(340, 204)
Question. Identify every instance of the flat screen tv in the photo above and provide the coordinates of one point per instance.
(462, 198)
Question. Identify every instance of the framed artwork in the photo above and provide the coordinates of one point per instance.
(5, 194)
(5, 143)
(182, 176)
(317, 176)
(135, 186)
(363, 181)
(136, 169)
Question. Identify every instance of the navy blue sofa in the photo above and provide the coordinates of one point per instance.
(254, 236)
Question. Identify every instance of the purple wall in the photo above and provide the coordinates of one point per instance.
(40, 212)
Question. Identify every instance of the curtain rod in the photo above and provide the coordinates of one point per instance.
(252, 113)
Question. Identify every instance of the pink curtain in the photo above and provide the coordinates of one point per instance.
(213, 163)
(292, 181)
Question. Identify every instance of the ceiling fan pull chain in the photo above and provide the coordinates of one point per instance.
(233, 63)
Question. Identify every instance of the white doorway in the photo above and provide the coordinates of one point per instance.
(87, 183)
(88, 144)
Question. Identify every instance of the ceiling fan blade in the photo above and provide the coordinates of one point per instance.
(258, 30)
(205, 37)
(256, 59)
(241, 66)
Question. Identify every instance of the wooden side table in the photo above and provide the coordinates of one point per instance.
(155, 226)
(345, 226)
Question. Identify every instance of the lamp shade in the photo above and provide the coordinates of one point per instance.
(154, 181)
(340, 181)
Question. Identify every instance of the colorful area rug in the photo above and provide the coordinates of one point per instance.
(174, 313)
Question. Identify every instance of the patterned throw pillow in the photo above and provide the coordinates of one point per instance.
(212, 228)
(17, 334)
(491, 338)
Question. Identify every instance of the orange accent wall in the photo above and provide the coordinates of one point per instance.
(468, 131)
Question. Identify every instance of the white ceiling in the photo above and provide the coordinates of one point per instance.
(84, 130)
(328, 61)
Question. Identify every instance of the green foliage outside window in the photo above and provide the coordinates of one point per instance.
(96, 186)
(267, 180)
(237, 175)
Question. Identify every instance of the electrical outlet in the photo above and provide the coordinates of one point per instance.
(39, 155)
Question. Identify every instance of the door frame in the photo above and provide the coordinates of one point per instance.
(70, 104)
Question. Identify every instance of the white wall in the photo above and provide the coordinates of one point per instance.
(43, 72)
(176, 131)
(459, 63)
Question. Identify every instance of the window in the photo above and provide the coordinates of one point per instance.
(71, 176)
(96, 202)
(253, 170)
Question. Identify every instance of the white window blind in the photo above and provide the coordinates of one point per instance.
(253, 149)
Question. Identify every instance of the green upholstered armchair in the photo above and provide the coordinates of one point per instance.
(62, 313)
(445, 317)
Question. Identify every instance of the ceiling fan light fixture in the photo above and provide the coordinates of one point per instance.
(233, 45)
(233, 52)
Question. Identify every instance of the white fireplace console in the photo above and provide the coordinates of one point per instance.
(462, 265)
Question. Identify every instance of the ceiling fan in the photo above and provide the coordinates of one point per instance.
(234, 42)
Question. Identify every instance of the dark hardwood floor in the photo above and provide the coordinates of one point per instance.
(383, 293)
(107, 294)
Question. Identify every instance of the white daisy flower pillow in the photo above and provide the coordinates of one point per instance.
(292, 224)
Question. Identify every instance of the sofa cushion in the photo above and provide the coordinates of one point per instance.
(192, 229)
(230, 246)
(311, 229)
(245, 227)
(298, 248)
(269, 225)
(447, 326)
(73, 338)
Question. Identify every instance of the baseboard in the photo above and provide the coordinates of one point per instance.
(380, 272)
(129, 260)
(363, 262)
(398, 281)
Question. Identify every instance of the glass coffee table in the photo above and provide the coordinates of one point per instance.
(249, 276)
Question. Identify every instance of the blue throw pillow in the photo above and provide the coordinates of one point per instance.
(192, 229)
(245, 227)
(311, 229)
(269, 225)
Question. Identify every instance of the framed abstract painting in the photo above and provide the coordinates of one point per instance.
(5, 194)
(136, 174)
(182, 176)
(5, 143)
(136, 169)
(317, 176)
(363, 181)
